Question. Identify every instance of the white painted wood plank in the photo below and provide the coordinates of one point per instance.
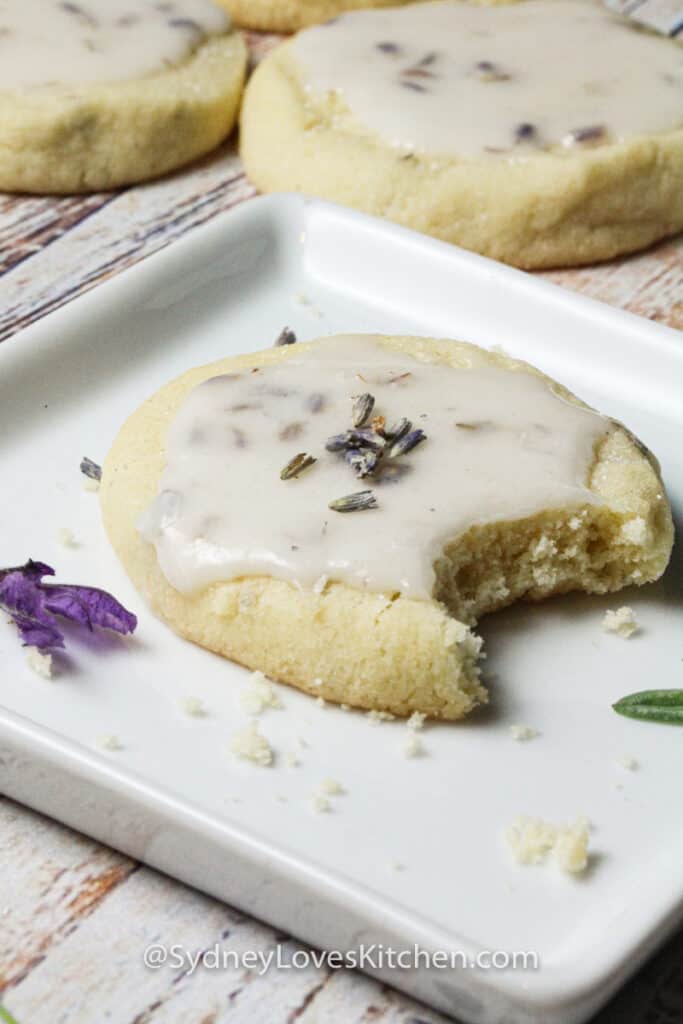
(126, 229)
(51, 880)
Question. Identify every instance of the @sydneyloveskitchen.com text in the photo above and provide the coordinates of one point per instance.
(371, 957)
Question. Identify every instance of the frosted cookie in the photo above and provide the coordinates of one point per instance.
(271, 511)
(544, 133)
(102, 93)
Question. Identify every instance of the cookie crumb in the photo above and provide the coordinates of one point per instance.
(66, 537)
(39, 663)
(250, 745)
(321, 702)
(622, 622)
(522, 733)
(627, 762)
(90, 485)
(416, 720)
(193, 706)
(109, 742)
(532, 840)
(259, 695)
(320, 803)
(413, 745)
(331, 787)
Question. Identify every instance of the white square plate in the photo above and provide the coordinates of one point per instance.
(168, 797)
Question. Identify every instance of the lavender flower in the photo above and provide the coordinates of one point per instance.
(32, 605)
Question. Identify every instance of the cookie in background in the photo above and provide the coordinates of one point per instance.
(106, 94)
(544, 133)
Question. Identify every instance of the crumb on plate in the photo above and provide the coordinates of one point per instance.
(109, 742)
(622, 622)
(522, 733)
(66, 537)
(413, 745)
(193, 706)
(259, 695)
(39, 663)
(250, 745)
(532, 840)
(331, 787)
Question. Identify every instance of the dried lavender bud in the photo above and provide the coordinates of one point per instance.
(592, 133)
(398, 429)
(285, 337)
(415, 86)
(406, 443)
(362, 463)
(363, 437)
(390, 48)
(316, 403)
(289, 432)
(428, 58)
(358, 502)
(362, 408)
(32, 605)
(525, 132)
(417, 73)
(79, 12)
(487, 71)
(90, 468)
(338, 443)
(474, 425)
(185, 23)
(297, 465)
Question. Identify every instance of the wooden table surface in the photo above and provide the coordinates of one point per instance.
(76, 916)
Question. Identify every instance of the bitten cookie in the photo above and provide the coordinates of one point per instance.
(471, 124)
(338, 514)
(104, 94)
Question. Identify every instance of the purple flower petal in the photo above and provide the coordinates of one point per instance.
(20, 591)
(89, 607)
(35, 633)
(32, 604)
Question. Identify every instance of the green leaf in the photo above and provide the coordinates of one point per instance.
(653, 706)
(6, 1016)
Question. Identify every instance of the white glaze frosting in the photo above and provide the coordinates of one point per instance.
(57, 42)
(455, 78)
(500, 445)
